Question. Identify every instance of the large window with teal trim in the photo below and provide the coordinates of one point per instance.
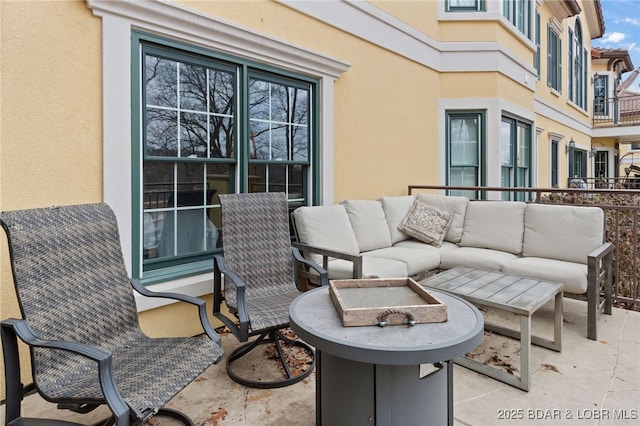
(515, 156)
(554, 59)
(577, 72)
(211, 124)
(518, 12)
(465, 151)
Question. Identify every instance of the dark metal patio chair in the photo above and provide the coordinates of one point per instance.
(81, 324)
(261, 273)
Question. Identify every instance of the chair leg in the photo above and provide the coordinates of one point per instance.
(275, 337)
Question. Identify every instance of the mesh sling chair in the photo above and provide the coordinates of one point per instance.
(81, 325)
(261, 272)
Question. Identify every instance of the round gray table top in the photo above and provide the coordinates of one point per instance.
(313, 317)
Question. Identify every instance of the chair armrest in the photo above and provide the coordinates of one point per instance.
(219, 268)
(13, 328)
(327, 253)
(201, 304)
(324, 275)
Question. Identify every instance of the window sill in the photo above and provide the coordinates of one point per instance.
(195, 285)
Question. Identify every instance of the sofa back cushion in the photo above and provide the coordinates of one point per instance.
(368, 223)
(567, 233)
(395, 210)
(497, 225)
(326, 227)
(456, 205)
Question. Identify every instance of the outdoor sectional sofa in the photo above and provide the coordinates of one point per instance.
(415, 236)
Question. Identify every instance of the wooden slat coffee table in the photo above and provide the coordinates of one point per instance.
(520, 295)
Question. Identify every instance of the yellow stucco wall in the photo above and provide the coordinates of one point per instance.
(51, 114)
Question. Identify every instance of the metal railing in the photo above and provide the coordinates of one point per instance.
(623, 110)
(622, 209)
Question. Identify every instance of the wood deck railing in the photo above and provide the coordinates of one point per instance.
(622, 209)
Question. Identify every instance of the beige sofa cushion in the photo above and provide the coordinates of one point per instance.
(572, 275)
(497, 225)
(395, 209)
(339, 269)
(426, 223)
(417, 261)
(326, 227)
(454, 204)
(474, 257)
(562, 232)
(369, 224)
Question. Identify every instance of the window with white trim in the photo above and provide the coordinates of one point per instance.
(515, 156)
(211, 124)
(536, 55)
(554, 59)
(577, 72)
(518, 12)
(555, 164)
(465, 148)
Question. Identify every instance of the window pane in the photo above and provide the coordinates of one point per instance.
(193, 87)
(259, 100)
(189, 110)
(279, 118)
(462, 3)
(161, 82)
(296, 183)
(158, 185)
(506, 155)
(161, 135)
(523, 145)
(193, 135)
(259, 140)
(299, 143)
(221, 137)
(464, 141)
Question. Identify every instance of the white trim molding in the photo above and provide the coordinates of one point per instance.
(366, 21)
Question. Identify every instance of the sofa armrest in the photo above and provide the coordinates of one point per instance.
(599, 276)
(326, 254)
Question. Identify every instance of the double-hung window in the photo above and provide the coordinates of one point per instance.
(515, 155)
(211, 124)
(554, 60)
(577, 72)
(465, 150)
(600, 91)
(555, 166)
(536, 55)
(518, 12)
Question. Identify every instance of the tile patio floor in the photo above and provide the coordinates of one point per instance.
(588, 383)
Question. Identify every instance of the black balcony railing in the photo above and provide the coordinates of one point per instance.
(623, 110)
(622, 209)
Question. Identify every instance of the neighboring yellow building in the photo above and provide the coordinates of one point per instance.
(155, 107)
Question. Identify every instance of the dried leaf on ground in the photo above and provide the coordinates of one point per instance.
(550, 367)
(505, 364)
(219, 414)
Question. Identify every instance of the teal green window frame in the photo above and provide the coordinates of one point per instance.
(239, 163)
(459, 164)
(518, 12)
(536, 55)
(472, 6)
(554, 60)
(516, 156)
(577, 72)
